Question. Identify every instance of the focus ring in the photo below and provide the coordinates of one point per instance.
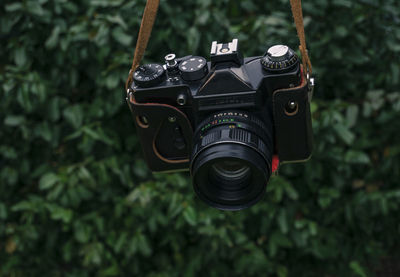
(221, 134)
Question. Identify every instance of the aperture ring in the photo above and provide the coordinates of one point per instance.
(256, 127)
(229, 117)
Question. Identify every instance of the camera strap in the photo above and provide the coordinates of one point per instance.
(297, 13)
(148, 19)
(149, 16)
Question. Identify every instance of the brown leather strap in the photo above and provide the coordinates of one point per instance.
(298, 20)
(149, 16)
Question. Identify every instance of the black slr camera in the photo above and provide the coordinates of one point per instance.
(224, 120)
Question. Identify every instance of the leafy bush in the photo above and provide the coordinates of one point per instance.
(76, 198)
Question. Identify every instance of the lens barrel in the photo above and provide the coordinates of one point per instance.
(231, 159)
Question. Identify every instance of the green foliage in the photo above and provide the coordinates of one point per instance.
(76, 198)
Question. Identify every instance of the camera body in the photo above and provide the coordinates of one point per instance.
(254, 108)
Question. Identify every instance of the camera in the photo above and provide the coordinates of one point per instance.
(224, 120)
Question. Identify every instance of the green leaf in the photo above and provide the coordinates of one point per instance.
(313, 227)
(121, 241)
(111, 271)
(282, 271)
(282, 221)
(291, 191)
(276, 241)
(193, 39)
(272, 248)
(3, 211)
(59, 213)
(54, 109)
(353, 156)
(190, 215)
(52, 40)
(48, 181)
(8, 152)
(97, 134)
(117, 19)
(357, 269)
(74, 115)
(299, 224)
(43, 131)
(92, 254)
(22, 206)
(92, 133)
(143, 245)
(351, 115)
(35, 8)
(341, 31)
(344, 133)
(14, 120)
(112, 81)
(119, 35)
(13, 7)
(82, 232)
(324, 201)
(20, 57)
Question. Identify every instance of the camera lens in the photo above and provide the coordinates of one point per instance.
(231, 160)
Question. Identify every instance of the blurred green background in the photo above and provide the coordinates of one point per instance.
(76, 198)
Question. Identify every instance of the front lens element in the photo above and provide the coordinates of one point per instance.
(231, 161)
(229, 174)
(230, 171)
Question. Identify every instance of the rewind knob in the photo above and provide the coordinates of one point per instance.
(279, 59)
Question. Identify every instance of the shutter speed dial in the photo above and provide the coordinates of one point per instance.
(149, 75)
(279, 59)
(193, 69)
